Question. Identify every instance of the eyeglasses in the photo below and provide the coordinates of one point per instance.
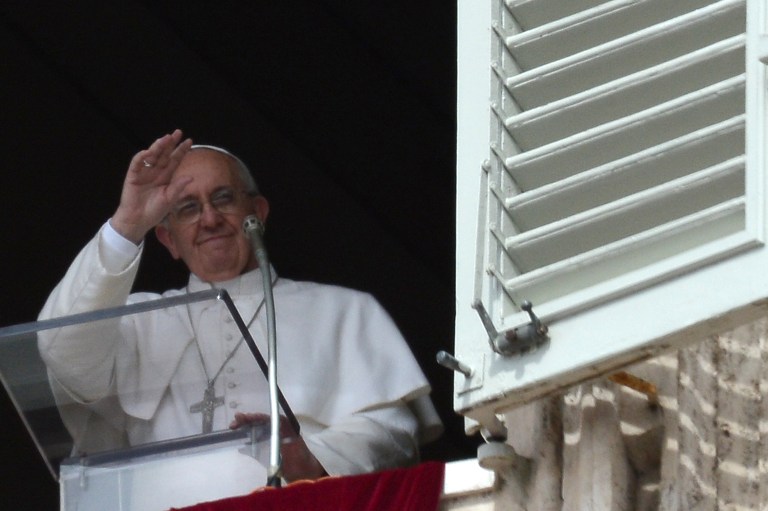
(225, 201)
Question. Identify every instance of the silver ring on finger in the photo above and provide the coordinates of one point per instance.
(146, 163)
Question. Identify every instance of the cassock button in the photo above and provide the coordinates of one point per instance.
(230, 370)
(231, 385)
(233, 404)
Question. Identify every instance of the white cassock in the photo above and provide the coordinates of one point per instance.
(344, 368)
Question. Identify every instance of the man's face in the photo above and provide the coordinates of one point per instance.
(214, 247)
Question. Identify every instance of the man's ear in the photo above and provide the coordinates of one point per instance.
(261, 208)
(165, 237)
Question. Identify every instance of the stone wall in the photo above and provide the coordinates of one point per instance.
(694, 441)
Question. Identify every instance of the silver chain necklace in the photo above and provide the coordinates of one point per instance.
(210, 400)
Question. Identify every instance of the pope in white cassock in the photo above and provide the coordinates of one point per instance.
(344, 368)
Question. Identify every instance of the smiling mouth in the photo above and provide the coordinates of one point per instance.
(213, 238)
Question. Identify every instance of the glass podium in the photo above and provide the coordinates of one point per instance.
(78, 428)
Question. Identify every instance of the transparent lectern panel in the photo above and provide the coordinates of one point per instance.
(135, 380)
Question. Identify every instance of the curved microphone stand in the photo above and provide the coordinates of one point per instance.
(254, 230)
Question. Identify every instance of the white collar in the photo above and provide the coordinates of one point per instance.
(249, 283)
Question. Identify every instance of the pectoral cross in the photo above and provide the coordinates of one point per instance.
(209, 403)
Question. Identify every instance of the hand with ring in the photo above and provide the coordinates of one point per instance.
(149, 189)
(298, 462)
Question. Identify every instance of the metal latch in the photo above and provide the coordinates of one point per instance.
(516, 341)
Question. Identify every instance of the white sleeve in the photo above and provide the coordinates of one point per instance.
(82, 358)
(367, 442)
(116, 252)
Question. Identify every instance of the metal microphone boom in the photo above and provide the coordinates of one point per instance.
(254, 230)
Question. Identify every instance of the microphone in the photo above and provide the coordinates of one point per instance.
(254, 231)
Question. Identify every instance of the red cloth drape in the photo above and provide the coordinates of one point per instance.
(408, 489)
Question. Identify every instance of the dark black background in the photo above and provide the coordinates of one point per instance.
(344, 110)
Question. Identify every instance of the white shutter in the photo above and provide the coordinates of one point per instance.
(610, 170)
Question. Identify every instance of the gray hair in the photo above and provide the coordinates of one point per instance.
(242, 170)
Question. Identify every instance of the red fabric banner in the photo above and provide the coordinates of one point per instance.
(408, 489)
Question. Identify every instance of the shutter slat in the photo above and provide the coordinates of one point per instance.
(623, 266)
(627, 95)
(655, 165)
(600, 64)
(534, 13)
(592, 27)
(628, 216)
(627, 135)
